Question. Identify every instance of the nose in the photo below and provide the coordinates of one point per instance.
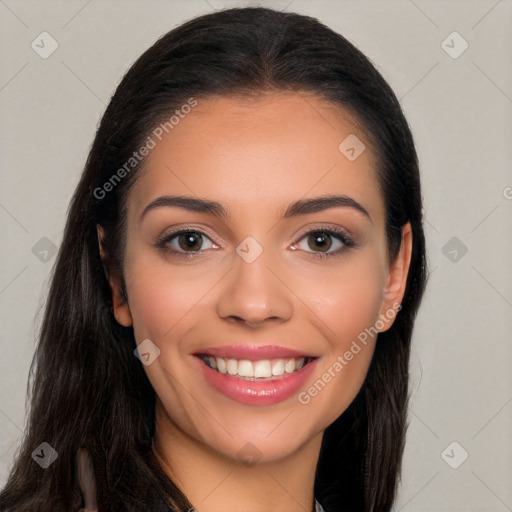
(254, 293)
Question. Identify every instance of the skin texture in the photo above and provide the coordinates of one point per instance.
(255, 156)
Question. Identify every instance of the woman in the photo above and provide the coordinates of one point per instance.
(230, 314)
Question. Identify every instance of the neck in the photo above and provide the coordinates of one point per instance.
(215, 482)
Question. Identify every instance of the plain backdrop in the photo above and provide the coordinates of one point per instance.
(458, 102)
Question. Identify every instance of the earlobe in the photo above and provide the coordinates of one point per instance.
(122, 313)
(120, 307)
(395, 287)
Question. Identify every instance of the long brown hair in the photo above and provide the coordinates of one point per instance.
(90, 391)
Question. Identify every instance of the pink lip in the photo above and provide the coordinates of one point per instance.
(253, 352)
(255, 392)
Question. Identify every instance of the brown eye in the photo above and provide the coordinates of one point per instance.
(319, 240)
(190, 240)
(186, 242)
(325, 242)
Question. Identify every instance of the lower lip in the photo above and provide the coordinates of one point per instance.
(254, 392)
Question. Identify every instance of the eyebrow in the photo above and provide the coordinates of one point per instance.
(300, 207)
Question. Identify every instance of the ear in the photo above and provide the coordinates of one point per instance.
(120, 306)
(394, 290)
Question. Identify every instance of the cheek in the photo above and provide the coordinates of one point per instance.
(348, 305)
(152, 308)
(163, 303)
(347, 297)
(160, 298)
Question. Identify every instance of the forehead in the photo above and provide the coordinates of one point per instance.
(260, 153)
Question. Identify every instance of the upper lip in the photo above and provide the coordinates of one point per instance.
(252, 352)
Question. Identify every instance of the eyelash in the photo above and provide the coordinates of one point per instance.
(347, 242)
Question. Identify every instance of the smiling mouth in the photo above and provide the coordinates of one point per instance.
(259, 370)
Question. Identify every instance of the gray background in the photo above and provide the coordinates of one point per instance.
(459, 110)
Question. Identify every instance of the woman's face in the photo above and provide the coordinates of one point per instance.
(267, 285)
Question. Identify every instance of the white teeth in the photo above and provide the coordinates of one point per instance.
(278, 367)
(232, 366)
(263, 368)
(245, 368)
(289, 367)
(221, 365)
